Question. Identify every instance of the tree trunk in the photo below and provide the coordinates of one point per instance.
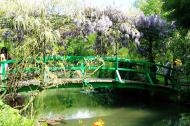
(153, 67)
(150, 57)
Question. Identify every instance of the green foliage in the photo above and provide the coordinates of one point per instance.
(150, 7)
(182, 119)
(129, 53)
(11, 117)
(81, 46)
(179, 45)
(123, 52)
(178, 10)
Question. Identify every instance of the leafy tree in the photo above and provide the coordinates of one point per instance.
(153, 30)
(179, 11)
(179, 45)
(26, 29)
(81, 46)
(150, 7)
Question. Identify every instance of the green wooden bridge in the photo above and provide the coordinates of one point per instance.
(88, 72)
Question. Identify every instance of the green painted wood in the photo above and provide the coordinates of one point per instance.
(139, 66)
(139, 86)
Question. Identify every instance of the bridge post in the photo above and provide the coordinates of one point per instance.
(116, 70)
(3, 77)
(176, 84)
(45, 71)
(83, 71)
(117, 75)
(146, 70)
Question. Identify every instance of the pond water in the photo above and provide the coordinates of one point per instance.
(81, 109)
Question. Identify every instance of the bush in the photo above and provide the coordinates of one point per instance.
(11, 117)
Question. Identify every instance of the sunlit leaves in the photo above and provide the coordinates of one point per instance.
(10, 117)
(14, 8)
(80, 46)
(179, 45)
(150, 7)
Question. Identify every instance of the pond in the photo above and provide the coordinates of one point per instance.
(114, 109)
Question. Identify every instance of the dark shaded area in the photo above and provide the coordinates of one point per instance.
(15, 101)
(144, 98)
(179, 11)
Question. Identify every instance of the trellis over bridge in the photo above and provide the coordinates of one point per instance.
(87, 72)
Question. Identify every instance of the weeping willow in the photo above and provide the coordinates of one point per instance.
(27, 30)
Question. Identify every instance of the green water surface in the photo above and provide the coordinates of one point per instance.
(80, 109)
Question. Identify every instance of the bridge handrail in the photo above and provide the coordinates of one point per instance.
(73, 58)
(61, 58)
(145, 65)
(111, 59)
(77, 58)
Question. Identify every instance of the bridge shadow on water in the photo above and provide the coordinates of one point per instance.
(172, 111)
(140, 98)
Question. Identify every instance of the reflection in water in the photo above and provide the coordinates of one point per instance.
(80, 115)
(176, 120)
(84, 109)
(50, 115)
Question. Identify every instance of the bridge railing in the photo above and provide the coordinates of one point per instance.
(82, 68)
(83, 65)
(4, 73)
(111, 65)
(178, 77)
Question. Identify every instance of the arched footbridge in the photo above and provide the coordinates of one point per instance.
(88, 72)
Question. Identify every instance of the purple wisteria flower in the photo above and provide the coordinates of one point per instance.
(61, 43)
(130, 30)
(77, 22)
(111, 25)
(153, 26)
(115, 15)
(7, 34)
(89, 27)
(103, 24)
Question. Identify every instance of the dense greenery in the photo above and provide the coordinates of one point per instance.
(154, 30)
(11, 117)
(37, 30)
(150, 7)
(179, 11)
(175, 11)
